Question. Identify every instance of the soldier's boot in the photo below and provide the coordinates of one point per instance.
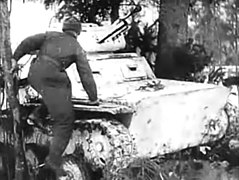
(55, 167)
(54, 158)
(36, 118)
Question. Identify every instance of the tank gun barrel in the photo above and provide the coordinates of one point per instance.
(120, 26)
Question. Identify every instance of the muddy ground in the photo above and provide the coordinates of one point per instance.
(190, 164)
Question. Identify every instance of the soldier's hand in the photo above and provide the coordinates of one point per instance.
(15, 66)
(94, 103)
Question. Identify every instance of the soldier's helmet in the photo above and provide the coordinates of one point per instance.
(72, 24)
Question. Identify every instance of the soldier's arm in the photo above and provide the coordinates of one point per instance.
(85, 74)
(29, 45)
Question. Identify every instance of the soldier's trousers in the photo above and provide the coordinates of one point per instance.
(55, 88)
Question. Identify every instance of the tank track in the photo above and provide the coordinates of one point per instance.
(106, 144)
(118, 147)
(233, 128)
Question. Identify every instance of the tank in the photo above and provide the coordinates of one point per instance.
(139, 115)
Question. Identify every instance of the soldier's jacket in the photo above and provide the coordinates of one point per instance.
(64, 49)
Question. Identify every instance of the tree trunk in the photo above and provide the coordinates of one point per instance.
(172, 33)
(5, 57)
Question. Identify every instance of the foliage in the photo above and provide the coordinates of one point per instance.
(142, 169)
(143, 41)
(89, 10)
(186, 61)
(215, 27)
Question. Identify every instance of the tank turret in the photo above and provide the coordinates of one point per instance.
(108, 38)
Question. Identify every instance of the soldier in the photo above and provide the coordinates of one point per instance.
(47, 75)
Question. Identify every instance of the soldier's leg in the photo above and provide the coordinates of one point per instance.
(55, 88)
(58, 102)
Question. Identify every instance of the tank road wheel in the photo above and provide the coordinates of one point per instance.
(107, 145)
(75, 169)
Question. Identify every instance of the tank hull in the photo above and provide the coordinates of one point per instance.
(176, 119)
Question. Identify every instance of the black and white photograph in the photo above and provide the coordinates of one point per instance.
(119, 89)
